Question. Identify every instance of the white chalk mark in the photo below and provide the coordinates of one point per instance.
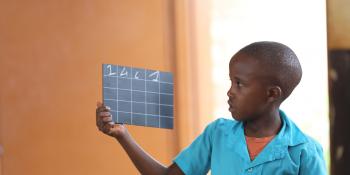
(156, 74)
(124, 72)
(136, 75)
(109, 67)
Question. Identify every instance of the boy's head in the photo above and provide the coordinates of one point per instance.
(263, 74)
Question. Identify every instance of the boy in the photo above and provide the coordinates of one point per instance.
(261, 139)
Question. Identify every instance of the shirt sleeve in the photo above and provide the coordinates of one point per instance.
(195, 159)
(312, 161)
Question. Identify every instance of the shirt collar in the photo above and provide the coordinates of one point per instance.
(289, 135)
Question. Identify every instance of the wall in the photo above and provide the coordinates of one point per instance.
(50, 67)
(338, 16)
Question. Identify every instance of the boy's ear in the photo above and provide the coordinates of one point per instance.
(274, 93)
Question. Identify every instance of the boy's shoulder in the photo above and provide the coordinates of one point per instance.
(299, 140)
(310, 146)
(313, 144)
(225, 121)
(310, 150)
(223, 125)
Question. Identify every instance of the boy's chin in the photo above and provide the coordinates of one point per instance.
(237, 117)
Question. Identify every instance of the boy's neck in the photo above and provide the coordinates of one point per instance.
(267, 125)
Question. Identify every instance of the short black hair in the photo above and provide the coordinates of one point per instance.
(278, 62)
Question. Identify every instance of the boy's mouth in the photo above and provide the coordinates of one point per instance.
(230, 106)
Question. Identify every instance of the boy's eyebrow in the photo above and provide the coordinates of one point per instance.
(233, 76)
(239, 78)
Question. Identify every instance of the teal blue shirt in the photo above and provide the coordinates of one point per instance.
(222, 149)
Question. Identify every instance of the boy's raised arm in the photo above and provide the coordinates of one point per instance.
(145, 163)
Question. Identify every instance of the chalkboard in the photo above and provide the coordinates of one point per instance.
(139, 96)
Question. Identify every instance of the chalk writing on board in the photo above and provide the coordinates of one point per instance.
(155, 75)
(124, 73)
(137, 75)
(110, 73)
(139, 96)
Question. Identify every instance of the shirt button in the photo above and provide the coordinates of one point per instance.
(250, 170)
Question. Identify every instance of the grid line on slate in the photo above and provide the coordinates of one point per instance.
(137, 90)
(145, 80)
(117, 94)
(122, 87)
(144, 72)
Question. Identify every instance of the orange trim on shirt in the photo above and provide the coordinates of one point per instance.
(256, 145)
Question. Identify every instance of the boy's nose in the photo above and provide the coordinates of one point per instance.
(229, 93)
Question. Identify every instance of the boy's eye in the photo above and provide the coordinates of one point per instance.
(236, 82)
(239, 84)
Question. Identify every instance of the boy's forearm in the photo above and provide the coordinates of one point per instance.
(145, 163)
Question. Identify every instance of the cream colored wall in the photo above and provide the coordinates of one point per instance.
(338, 16)
(50, 67)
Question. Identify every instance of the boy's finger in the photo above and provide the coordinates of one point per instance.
(104, 114)
(102, 123)
(112, 129)
(106, 128)
(103, 109)
(107, 119)
(99, 124)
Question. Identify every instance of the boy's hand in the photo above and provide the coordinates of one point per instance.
(106, 125)
(143, 161)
